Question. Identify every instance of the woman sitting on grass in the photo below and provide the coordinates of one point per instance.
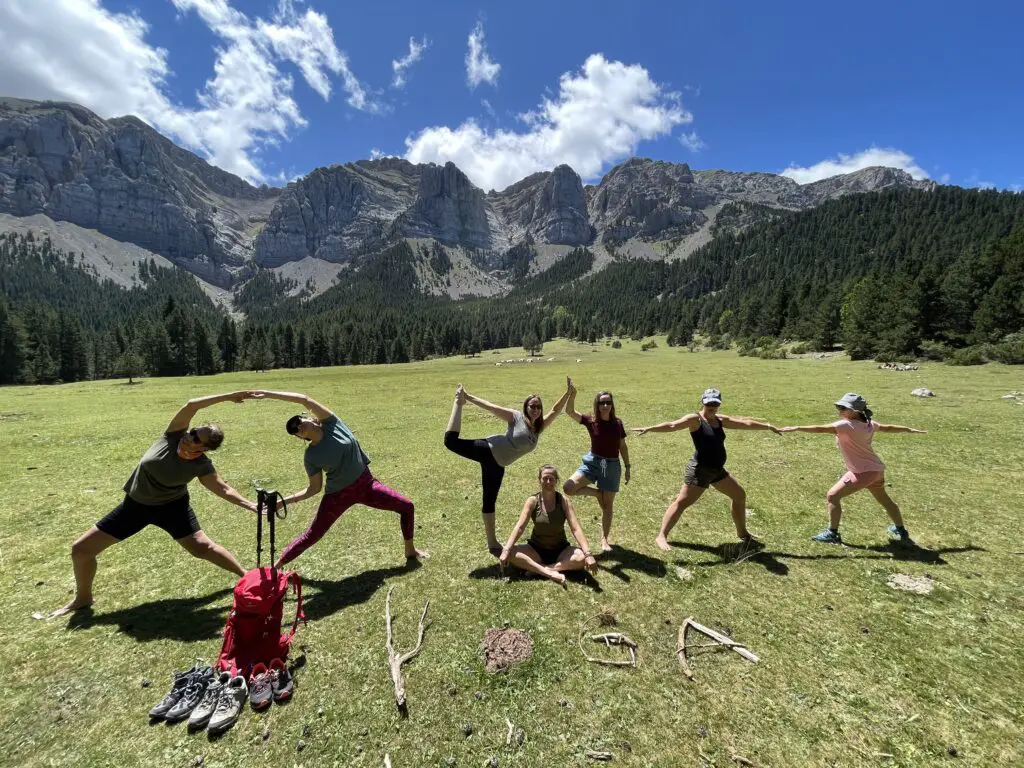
(496, 452)
(707, 467)
(547, 551)
(854, 432)
(601, 465)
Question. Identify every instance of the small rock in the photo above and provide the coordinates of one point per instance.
(627, 746)
(865, 630)
(952, 751)
(467, 729)
(359, 629)
(505, 624)
(478, 695)
(266, 733)
(563, 703)
(320, 712)
(826, 607)
(452, 690)
(306, 730)
(922, 392)
(668, 621)
(520, 737)
(301, 745)
(449, 761)
(702, 731)
(493, 762)
(197, 761)
(145, 683)
(40, 583)
(364, 731)
(359, 749)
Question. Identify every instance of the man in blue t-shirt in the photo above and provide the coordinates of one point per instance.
(334, 450)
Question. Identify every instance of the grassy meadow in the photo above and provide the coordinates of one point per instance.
(852, 672)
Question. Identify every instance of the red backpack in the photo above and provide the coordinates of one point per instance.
(253, 632)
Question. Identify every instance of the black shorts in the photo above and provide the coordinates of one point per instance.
(129, 517)
(548, 555)
(702, 476)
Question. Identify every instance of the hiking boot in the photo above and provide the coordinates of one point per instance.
(181, 682)
(229, 705)
(204, 710)
(900, 535)
(191, 696)
(828, 536)
(280, 680)
(261, 691)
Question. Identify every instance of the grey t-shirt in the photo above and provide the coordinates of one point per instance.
(517, 441)
(162, 475)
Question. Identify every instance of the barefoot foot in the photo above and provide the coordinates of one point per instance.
(75, 605)
(411, 553)
(605, 546)
(662, 544)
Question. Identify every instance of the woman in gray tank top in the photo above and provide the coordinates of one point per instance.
(496, 452)
(548, 552)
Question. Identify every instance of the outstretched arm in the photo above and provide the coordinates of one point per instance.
(218, 487)
(690, 421)
(183, 417)
(822, 428)
(742, 422)
(590, 563)
(316, 482)
(517, 530)
(318, 411)
(553, 413)
(502, 413)
(898, 428)
(570, 404)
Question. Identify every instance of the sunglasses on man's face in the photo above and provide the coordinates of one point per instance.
(194, 435)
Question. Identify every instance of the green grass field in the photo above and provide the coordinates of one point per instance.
(852, 672)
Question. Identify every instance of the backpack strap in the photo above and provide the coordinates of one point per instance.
(261, 505)
(296, 581)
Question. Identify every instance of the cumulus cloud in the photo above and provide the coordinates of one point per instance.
(400, 66)
(598, 116)
(479, 66)
(76, 50)
(692, 141)
(888, 157)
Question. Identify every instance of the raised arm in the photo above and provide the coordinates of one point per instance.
(742, 422)
(689, 421)
(822, 428)
(553, 413)
(218, 487)
(590, 563)
(183, 417)
(502, 413)
(570, 403)
(318, 411)
(898, 428)
(517, 530)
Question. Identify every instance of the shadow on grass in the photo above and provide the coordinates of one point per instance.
(630, 560)
(493, 571)
(183, 618)
(332, 596)
(728, 554)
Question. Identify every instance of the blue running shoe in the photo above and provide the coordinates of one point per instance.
(828, 536)
(899, 535)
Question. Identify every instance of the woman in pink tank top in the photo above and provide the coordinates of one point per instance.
(854, 432)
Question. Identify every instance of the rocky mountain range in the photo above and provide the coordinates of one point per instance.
(124, 180)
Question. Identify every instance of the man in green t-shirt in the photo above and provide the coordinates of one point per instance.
(157, 494)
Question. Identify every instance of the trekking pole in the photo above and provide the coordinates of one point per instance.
(261, 505)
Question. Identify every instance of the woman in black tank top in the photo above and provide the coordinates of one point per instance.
(707, 467)
(548, 551)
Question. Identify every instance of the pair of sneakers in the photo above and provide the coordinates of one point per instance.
(221, 704)
(897, 534)
(186, 691)
(266, 685)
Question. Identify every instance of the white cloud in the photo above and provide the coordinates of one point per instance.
(76, 50)
(479, 66)
(692, 141)
(401, 65)
(487, 105)
(598, 116)
(888, 157)
(944, 178)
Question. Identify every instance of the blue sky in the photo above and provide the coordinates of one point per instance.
(271, 89)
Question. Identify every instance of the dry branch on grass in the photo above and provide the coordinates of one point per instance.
(396, 660)
(609, 639)
(720, 641)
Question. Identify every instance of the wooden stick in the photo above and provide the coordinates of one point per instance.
(508, 739)
(603, 756)
(681, 649)
(387, 760)
(727, 641)
(396, 660)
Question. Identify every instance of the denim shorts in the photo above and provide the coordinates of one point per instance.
(604, 473)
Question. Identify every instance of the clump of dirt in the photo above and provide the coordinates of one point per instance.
(919, 585)
(504, 647)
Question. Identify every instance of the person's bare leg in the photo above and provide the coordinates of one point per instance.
(525, 557)
(571, 559)
(578, 485)
(686, 498)
(835, 508)
(202, 546)
(489, 531)
(83, 561)
(893, 510)
(607, 502)
(738, 497)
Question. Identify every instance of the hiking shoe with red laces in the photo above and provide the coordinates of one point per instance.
(280, 680)
(261, 691)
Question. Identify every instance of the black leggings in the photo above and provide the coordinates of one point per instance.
(491, 473)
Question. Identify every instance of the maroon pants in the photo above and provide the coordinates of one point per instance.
(366, 490)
